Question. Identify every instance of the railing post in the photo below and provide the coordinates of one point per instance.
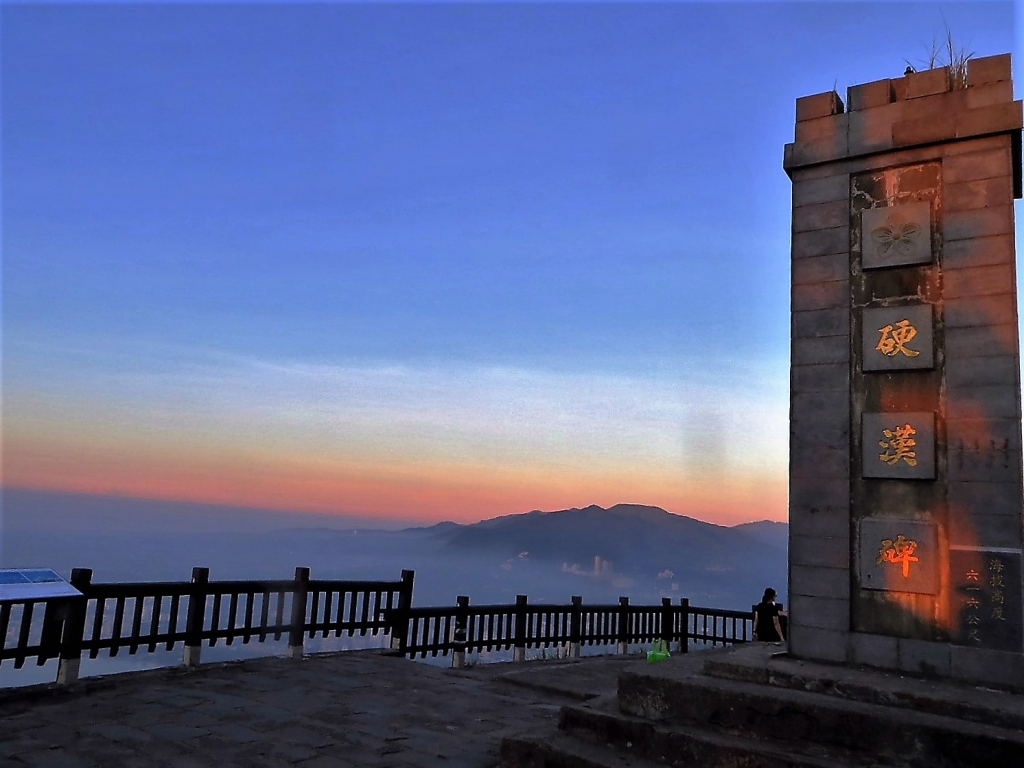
(623, 640)
(519, 642)
(684, 635)
(196, 617)
(300, 598)
(74, 628)
(400, 625)
(459, 640)
(667, 614)
(575, 626)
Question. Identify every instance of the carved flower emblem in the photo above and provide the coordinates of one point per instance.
(896, 235)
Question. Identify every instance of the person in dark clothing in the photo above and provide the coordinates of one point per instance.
(767, 628)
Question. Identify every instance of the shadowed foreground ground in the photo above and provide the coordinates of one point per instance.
(357, 708)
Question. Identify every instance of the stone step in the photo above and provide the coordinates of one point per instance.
(678, 745)
(766, 665)
(677, 697)
(554, 749)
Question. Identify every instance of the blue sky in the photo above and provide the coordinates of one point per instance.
(470, 258)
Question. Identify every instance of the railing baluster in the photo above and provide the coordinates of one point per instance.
(172, 620)
(264, 614)
(232, 616)
(154, 625)
(280, 615)
(313, 613)
(215, 618)
(352, 613)
(250, 600)
(115, 631)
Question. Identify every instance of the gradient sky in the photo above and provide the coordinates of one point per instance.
(416, 260)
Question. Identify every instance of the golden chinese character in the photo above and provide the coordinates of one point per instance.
(972, 602)
(997, 613)
(973, 635)
(972, 618)
(900, 551)
(996, 566)
(972, 575)
(997, 596)
(995, 580)
(897, 445)
(895, 338)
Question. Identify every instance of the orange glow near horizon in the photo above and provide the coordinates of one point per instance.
(422, 490)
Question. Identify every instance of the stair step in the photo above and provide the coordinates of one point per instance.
(559, 750)
(786, 716)
(963, 702)
(680, 745)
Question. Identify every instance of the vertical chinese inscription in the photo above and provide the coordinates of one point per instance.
(986, 598)
(898, 338)
(899, 445)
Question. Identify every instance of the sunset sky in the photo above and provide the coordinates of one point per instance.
(415, 260)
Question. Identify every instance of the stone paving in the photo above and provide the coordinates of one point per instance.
(352, 709)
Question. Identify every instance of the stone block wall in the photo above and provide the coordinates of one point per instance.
(905, 425)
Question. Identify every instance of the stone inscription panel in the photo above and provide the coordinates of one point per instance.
(896, 235)
(899, 555)
(898, 445)
(986, 599)
(898, 338)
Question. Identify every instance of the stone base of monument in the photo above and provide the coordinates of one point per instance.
(754, 707)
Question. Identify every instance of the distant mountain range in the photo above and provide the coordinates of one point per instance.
(640, 551)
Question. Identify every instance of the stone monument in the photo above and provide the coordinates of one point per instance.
(905, 412)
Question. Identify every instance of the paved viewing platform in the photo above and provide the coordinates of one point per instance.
(355, 708)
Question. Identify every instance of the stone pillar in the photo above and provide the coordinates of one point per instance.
(905, 424)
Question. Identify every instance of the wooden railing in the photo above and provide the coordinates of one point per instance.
(162, 615)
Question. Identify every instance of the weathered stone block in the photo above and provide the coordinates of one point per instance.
(978, 434)
(980, 310)
(921, 657)
(873, 650)
(970, 146)
(820, 418)
(961, 225)
(824, 149)
(822, 216)
(997, 499)
(990, 401)
(989, 465)
(923, 130)
(897, 338)
(818, 518)
(976, 165)
(896, 235)
(805, 378)
(829, 349)
(869, 95)
(983, 529)
(825, 551)
(980, 193)
(818, 105)
(980, 341)
(817, 581)
(871, 130)
(996, 118)
(978, 252)
(821, 269)
(988, 69)
(813, 643)
(815, 461)
(978, 281)
(926, 83)
(821, 612)
(821, 322)
(821, 190)
(828, 295)
(821, 242)
(988, 94)
(999, 668)
(898, 445)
